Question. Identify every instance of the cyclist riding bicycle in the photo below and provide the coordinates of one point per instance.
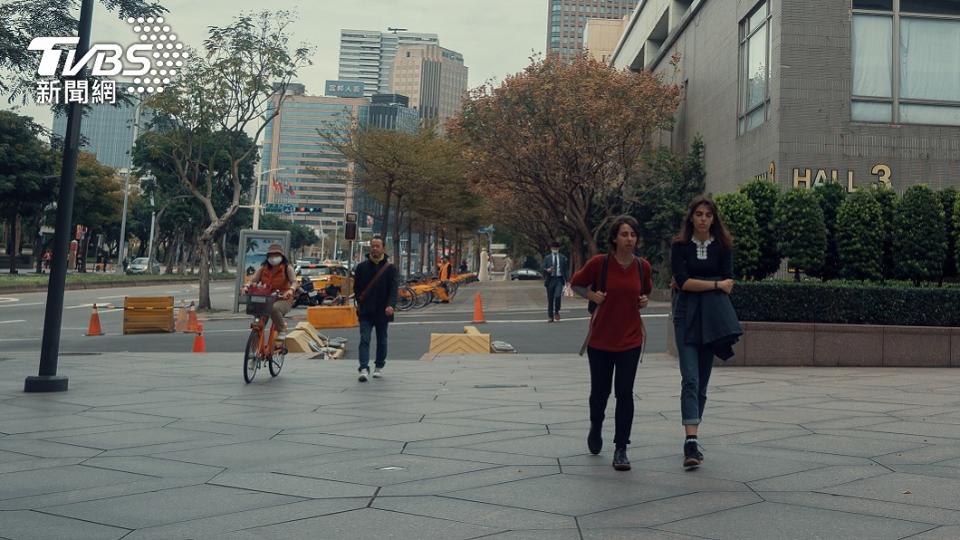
(277, 274)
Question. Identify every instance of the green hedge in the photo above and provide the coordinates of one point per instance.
(846, 303)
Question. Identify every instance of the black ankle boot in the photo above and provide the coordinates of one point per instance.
(620, 461)
(594, 439)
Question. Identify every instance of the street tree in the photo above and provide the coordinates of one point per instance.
(740, 216)
(27, 183)
(860, 231)
(764, 194)
(239, 82)
(888, 200)
(948, 199)
(559, 135)
(919, 240)
(830, 195)
(802, 232)
(98, 200)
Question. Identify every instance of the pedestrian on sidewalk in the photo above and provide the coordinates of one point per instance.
(375, 294)
(618, 283)
(705, 324)
(554, 278)
(276, 272)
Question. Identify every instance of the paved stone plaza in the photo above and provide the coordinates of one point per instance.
(176, 446)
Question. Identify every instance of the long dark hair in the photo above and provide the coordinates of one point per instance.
(615, 230)
(717, 229)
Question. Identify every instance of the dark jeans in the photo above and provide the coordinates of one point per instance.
(554, 295)
(696, 364)
(366, 328)
(618, 369)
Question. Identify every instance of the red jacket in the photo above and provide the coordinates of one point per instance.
(616, 325)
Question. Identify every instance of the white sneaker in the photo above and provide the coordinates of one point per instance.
(364, 374)
(377, 373)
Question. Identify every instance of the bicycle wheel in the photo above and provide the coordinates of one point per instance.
(250, 363)
(276, 361)
(406, 298)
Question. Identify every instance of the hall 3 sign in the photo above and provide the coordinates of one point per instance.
(808, 178)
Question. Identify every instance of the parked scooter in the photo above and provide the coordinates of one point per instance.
(306, 294)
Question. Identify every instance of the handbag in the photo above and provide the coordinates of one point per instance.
(592, 306)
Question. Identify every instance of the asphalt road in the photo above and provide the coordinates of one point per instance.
(513, 312)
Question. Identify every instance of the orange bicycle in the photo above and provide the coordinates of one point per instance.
(261, 346)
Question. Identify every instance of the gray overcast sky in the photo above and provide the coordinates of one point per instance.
(496, 37)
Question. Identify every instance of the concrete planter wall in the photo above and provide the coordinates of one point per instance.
(842, 345)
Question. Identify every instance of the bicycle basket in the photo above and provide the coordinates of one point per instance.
(259, 305)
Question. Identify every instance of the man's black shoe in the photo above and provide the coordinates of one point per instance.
(594, 439)
(620, 461)
(692, 457)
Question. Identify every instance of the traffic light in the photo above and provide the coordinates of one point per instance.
(350, 226)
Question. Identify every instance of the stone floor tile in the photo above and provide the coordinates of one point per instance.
(905, 488)
(667, 510)
(568, 494)
(869, 507)
(475, 513)
(766, 521)
(390, 469)
(169, 506)
(45, 481)
(29, 525)
(295, 486)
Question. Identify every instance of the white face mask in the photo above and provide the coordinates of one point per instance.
(275, 260)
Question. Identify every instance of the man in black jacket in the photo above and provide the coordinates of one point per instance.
(375, 293)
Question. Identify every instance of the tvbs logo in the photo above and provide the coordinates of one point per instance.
(107, 58)
(151, 63)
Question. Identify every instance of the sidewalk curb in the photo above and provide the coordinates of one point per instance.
(104, 285)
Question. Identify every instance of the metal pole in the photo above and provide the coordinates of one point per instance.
(47, 379)
(121, 252)
(256, 204)
(153, 224)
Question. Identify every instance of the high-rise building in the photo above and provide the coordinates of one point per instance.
(567, 19)
(600, 37)
(390, 111)
(306, 172)
(108, 132)
(367, 56)
(434, 78)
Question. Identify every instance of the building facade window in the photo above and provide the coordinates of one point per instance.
(754, 104)
(906, 62)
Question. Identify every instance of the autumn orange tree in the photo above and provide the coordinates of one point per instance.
(554, 138)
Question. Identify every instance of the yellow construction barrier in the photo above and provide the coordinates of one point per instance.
(332, 316)
(147, 314)
(470, 342)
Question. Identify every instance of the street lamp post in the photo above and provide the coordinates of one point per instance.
(47, 379)
(153, 224)
(121, 251)
(256, 198)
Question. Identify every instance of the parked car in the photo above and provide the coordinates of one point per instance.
(525, 274)
(139, 266)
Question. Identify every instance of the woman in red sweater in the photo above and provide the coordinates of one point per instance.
(616, 331)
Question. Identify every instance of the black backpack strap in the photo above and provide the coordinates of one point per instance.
(603, 274)
(640, 267)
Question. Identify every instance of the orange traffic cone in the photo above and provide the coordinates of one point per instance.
(198, 345)
(182, 318)
(193, 326)
(478, 310)
(93, 329)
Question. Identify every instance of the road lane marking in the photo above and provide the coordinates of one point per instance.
(7, 300)
(112, 297)
(23, 305)
(11, 322)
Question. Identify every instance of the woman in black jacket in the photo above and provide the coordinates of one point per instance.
(705, 325)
